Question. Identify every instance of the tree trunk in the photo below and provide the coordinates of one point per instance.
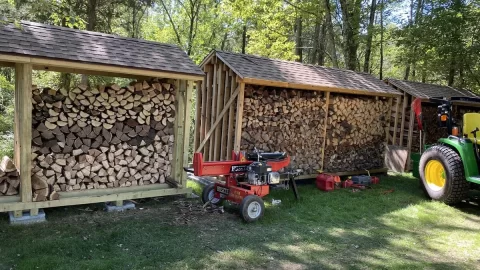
(244, 38)
(321, 45)
(224, 41)
(407, 72)
(91, 25)
(451, 71)
(298, 39)
(381, 40)
(351, 25)
(368, 50)
(331, 34)
(316, 38)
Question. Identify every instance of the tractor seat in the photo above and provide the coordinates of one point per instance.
(470, 122)
(267, 156)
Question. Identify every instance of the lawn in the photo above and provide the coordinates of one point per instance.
(336, 230)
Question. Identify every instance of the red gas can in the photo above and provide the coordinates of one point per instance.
(326, 182)
(347, 183)
(375, 180)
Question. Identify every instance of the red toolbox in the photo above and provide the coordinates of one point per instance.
(326, 182)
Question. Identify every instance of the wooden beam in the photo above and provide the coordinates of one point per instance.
(387, 128)
(7, 64)
(180, 91)
(204, 109)
(208, 110)
(325, 125)
(106, 195)
(213, 110)
(198, 113)
(231, 115)
(93, 68)
(225, 109)
(188, 85)
(395, 125)
(239, 118)
(402, 125)
(409, 140)
(220, 104)
(224, 131)
(23, 127)
(364, 92)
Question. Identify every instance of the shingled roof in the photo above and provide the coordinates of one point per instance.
(60, 43)
(295, 73)
(426, 90)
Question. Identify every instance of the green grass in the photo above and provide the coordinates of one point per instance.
(336, 230)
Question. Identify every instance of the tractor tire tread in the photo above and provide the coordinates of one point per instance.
(459, 186)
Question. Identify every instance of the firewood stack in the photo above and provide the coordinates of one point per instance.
(285, 120)
(9, 180)
(355, 134)
(101, 137)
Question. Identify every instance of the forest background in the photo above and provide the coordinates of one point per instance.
(432, 41)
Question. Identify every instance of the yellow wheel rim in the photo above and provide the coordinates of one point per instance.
(435, 175)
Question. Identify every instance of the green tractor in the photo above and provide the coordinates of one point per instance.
(450, 168)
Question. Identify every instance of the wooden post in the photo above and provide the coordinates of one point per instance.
(239, 118)
(402, 125)
(395, 125)
(23, 128)
(179, 130)
(204, 106)
(231, 115)
(410, 132)
(389, 116)
(188, 86)
(325, 124)
(211, 153)
(198, 113)
(208, 110)
(224, 132)
(219, 118)
(220, 103)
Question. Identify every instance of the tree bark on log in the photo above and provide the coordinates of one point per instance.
(88, 138)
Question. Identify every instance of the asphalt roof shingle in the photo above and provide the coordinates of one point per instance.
(46, 41)
(255, 67)
(426, 90)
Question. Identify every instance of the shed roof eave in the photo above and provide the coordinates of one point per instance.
(214, 53)
(90, 68)
(362, 92)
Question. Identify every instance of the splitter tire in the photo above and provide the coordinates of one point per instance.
(252, 208)
(442, 175)
(207, 195)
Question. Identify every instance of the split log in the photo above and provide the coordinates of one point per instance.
(87, 138)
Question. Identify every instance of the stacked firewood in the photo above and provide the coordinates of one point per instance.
(105, 137)
(9, 180)
(285, 120)
(355, 133)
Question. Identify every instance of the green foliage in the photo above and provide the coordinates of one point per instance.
(6, 145)
(6, 101)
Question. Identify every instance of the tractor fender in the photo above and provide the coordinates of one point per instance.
(466, 150)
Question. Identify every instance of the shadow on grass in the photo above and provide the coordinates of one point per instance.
(377, 228)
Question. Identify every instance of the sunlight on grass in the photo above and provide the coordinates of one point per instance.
(323, 230)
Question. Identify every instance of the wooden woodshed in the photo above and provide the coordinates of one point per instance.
(326, 119)
(95, 144)
(406, 133)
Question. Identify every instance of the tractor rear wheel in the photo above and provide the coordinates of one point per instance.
(208, 195)
(442, 175)
(252, 208)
